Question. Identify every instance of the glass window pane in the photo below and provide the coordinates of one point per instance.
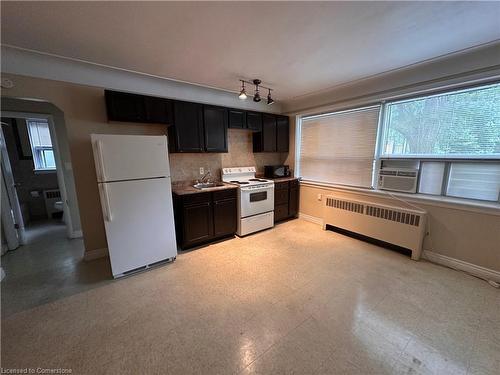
(431, 177)
(457, 124)
(50, 162)
(475, 181)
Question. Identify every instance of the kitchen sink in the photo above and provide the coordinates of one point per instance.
(207, 185)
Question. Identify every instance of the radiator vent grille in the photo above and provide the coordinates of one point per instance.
(51, 194)
(345, 205)
(393, 215)
(379, 212)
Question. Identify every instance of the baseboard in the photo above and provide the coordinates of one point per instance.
(95, 254)
(312, 219)
(482, 272)
(76, 234)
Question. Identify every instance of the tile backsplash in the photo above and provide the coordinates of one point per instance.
(186, 167)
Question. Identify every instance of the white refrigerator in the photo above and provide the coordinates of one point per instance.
(133, 176)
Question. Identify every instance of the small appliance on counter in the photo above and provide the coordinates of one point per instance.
(277, 171)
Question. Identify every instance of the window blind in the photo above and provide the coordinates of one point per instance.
(339, 148)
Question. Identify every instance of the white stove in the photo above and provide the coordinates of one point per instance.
(255, 199)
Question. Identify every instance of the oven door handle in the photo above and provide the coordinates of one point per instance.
(257, 190)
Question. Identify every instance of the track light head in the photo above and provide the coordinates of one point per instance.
(243, 93)
(256, 97)
(269, 98)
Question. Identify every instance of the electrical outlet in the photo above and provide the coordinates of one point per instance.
(202, 170)
(320, 196)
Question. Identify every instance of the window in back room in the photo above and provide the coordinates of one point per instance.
(41, 145)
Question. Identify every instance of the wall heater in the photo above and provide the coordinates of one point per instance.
(396, 225)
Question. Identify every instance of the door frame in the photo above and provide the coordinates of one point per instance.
(59, 165)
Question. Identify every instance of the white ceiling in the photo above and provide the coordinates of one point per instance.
(297, 48)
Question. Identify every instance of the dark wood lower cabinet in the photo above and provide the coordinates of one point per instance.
(286, 200)
(204, 217)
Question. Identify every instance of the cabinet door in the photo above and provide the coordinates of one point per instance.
(197, 223)
(188, 123)
(224, 217)
(268, 133)
(254, 121)
(280, 212)
(293, 203)
(158, 110)
(280, 196)
(282, 134)
(215, 122)
(122, 106)
(237, 119)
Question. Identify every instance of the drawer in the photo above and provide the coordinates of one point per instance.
(224, 194)
(281, 185)
(294, 184)
(280, 197)
(280, 212)
(189, 199)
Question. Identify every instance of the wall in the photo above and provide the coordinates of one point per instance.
(85, 113)
(469, 236)
(185, 167)
(26, 178)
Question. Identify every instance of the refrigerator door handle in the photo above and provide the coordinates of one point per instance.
(100, 160)
(108, 216)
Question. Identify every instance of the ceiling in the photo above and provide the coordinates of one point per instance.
(298, 48)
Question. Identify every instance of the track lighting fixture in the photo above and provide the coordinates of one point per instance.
(256, 97)
(243, 93)
(269, 98)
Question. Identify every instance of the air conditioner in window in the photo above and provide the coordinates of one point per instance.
(398, 179)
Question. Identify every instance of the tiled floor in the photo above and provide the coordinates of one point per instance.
(48, 268)
(294, 299)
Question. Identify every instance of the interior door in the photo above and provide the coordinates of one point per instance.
(9, 185)
(129, 157)
(139, 221)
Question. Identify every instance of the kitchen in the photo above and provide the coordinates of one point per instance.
(228, 199)
(333, 226)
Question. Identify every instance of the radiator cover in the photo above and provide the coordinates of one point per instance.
(393, 224)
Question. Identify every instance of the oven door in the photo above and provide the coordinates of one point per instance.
(256, 201)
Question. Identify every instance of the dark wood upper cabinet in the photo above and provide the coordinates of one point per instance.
(268, 133)
(254, 121)
(237, 119)
(122, 106)
(265, 140)
(282, 134)
(158, 110)
(215, 120)
(187, 134)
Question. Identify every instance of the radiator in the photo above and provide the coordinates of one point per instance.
(51, 197)
(396, 225)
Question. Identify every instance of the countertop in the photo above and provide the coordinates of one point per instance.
(281, 179)
(184, 187)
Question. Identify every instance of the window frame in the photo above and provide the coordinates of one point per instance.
(381, 133)
(37, 151)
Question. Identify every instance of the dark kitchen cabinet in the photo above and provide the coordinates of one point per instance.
(224, 217)
(215, 128)
(158, 110)
(187, 134)
(286, 199)
(254, 121)
(282, 134)
(237, 119)
(204, 217)
(274, 136)
(123, 106)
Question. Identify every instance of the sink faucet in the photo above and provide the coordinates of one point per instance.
(208, 174)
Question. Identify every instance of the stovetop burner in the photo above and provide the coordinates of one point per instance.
(258, 179)
(240, 182)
